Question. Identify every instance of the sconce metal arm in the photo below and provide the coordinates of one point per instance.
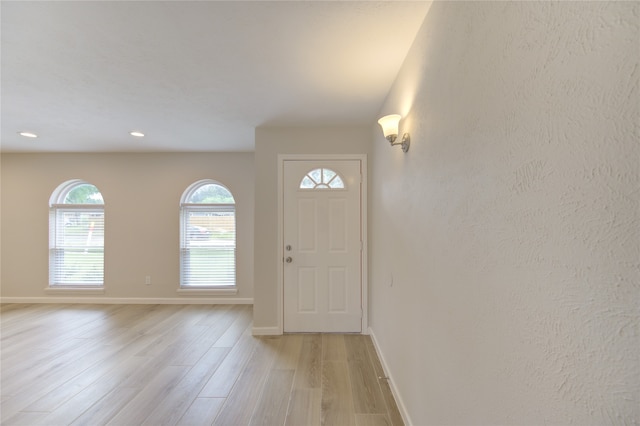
(406, 141)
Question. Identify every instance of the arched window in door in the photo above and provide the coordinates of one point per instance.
(322, 178)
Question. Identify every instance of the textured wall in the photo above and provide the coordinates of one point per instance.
(505, 260)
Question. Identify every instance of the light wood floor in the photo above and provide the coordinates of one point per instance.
(181, 364)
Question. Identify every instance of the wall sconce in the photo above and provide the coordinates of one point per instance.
(389, 124)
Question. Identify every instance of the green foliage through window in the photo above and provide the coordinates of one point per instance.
(84, 194)
(211, 194)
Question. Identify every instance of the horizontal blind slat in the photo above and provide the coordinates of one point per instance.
(208, 246)
(77, 253)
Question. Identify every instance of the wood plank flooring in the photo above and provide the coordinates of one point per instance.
(181, 365)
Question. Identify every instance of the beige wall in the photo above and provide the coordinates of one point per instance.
(269, 143)
(142, 195)
(505, 259)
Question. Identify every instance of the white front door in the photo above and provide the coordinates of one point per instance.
(322, 246)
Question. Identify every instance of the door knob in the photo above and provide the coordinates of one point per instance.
(289, 259)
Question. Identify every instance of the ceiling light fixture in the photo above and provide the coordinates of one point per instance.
(137, 134)
(28, 134)
(389, 124)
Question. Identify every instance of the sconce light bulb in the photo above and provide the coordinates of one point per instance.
(389, 124)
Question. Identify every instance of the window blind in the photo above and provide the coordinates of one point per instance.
(77, 246)
(208, 245)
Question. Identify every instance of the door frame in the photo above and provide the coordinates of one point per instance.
(364, 281)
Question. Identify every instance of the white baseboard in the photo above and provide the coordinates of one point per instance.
(132, 300)
(266, 331)
(401, 407)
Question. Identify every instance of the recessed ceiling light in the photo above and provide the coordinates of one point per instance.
(137, 134)
(28, 134)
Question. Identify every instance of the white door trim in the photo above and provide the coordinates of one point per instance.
(363, 230)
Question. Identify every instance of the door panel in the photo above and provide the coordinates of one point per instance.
(338, 295)
(307, 225)
(307, 290)
(322, 228)
(338, 236)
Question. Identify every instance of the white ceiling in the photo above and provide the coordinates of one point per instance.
(193, 75)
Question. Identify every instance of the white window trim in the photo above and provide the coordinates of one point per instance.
(207, 291)
(69, 290)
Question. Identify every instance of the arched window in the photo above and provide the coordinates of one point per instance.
(207, 236)
(322, 179)
(76, 236)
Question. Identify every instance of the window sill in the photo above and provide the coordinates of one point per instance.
(207, 291)
(73, 290)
